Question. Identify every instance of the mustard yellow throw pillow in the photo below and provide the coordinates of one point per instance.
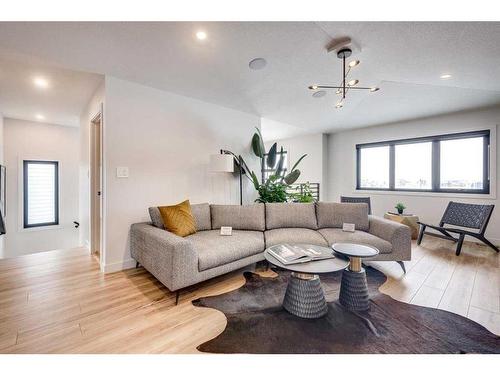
(178, 219)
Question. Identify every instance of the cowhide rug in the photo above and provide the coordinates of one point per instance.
(256, 323)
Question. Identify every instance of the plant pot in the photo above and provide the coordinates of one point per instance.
(400, 211)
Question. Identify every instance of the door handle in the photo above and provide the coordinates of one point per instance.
(77, 224)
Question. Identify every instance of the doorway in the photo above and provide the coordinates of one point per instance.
(96, 186)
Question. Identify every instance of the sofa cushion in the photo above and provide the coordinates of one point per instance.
(290, 215)
(215, 250)
(294, 236)
(200, 211)
(247, 217)
(333, 235)
(334, 215)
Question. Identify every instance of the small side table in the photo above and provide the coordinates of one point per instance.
(408, 220)
(353, 287)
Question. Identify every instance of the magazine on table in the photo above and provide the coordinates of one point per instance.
(293, 254)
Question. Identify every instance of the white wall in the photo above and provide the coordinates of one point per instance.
(165, 140)
(33, 140)
(429, 207)
(312, 167)
(91, 110)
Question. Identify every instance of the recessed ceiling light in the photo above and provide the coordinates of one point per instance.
(39, 116)
(257, 64)
(353, 82)
(313, 87)
(201, 35)
(445, 76)
(319, 94)
(373, 89)
(41, 82)
(353, 63)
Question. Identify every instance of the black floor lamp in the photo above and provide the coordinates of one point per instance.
(225, 162)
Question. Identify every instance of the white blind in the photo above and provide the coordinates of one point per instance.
(41, 192)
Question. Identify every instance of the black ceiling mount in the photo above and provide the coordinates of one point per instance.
(345, 85)
(344, 52)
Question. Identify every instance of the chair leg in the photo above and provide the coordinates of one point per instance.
(489, 243)
(177, 294)
(421, 234)
(402, 264)
(459, 244)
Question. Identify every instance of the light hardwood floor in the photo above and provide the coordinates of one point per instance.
(59, 302)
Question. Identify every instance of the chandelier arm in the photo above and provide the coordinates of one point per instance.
(328, 87)
(348, 71)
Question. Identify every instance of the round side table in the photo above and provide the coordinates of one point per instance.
(304, 296)
(353, 287)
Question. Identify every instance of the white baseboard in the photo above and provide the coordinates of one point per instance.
(118, 266)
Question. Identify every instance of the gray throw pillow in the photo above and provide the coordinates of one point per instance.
(156, 218)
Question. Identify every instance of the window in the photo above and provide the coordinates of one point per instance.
(270, 171)
(375, 167)
(444, 163)
(462, 164)
(41, 198)
(413, 168)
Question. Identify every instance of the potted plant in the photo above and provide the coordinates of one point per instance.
(274, 188)
(303, 195)
(400, 207)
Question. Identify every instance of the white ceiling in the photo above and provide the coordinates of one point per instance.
(60, 103)
(405, 59)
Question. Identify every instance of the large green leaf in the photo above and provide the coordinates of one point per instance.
(243, 165)
(257, 146)
(297, 163)
(255, 180)
(271, 156)
(279, 168)
(291, 177)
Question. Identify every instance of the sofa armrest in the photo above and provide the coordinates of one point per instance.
(397, 234)
(167, 256)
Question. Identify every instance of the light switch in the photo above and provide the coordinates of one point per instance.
(122, 172)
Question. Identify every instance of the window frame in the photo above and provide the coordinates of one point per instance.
(436, 160)
(26, 225)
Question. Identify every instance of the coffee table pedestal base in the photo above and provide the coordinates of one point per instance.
(304, 296)
(354, 290)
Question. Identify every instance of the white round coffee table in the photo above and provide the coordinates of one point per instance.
(304, 295)
(353, 287)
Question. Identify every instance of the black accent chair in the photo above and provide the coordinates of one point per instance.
(473, 216)
(358, 200)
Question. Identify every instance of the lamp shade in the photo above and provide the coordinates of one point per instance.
(221, 163)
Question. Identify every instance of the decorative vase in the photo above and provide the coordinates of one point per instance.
(400, 211)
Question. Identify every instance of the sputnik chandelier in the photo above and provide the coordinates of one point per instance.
(346, 84)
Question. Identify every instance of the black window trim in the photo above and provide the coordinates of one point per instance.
(435, 139)
(25, 193)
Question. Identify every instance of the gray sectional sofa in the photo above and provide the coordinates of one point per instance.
(179, 262)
